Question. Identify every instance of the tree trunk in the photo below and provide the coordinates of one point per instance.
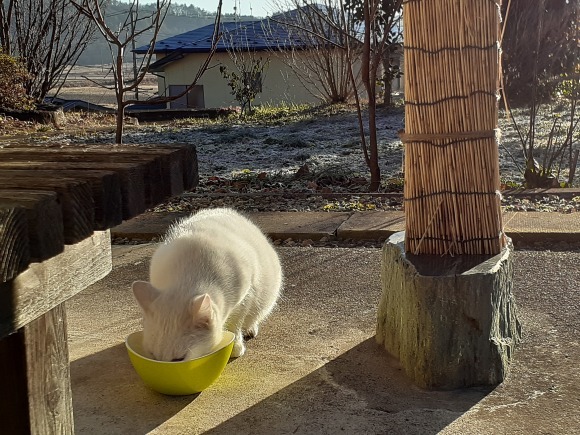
(374, 154)
(120, 93)
(387, 79)
(120, 121)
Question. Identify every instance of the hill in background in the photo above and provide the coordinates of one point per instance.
(180, 18)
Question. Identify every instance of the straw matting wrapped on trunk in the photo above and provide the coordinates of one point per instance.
(451, 153)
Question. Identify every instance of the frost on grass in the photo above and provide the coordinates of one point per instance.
(303, 152)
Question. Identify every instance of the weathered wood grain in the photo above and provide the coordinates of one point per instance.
(105, 187)
(14, 243)
(156, 180)
(48, 374)
(43, 286)
(75, 197)
(44, 216)
(132, 176)
(172, 169)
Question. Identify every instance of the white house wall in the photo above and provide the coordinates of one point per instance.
(279, 84)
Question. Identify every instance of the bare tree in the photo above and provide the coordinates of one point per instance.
(551, 54)
(376, 26)
(378, 23)
(386, 35)
(315, 47)
(135, 24)
(48, 36)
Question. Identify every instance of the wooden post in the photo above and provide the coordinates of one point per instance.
(447, 310)
(35, 391)
(35, 378)
(452, 205)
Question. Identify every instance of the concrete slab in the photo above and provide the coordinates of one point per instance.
(310, 225)
(522, 227)
(372, 225)
(315, 368)
(542, 227)
(146, 226)
(278, 225)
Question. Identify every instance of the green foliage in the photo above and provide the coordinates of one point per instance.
(569, 87)
(283, 113)
(13, 76)
(395, 184)
(246, 82)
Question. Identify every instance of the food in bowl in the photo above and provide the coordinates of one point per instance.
(178, 378)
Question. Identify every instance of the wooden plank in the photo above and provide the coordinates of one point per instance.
(35, 378)
(172, 156)
(172, 164)
(190, 168)
(45, 223)
(45, 285)
(76, 200)
(105, 186)
(14, 243)
(48, 374)
(156, 180)
(132, 177)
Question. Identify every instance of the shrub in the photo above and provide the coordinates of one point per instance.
(13, 76)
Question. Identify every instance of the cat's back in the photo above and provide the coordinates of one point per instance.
(215, 242)
(218, 223)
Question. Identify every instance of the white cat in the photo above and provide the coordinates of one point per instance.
(215, 270)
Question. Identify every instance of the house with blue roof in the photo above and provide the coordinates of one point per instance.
(179, 58)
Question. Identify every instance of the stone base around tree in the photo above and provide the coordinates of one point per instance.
(451, 321)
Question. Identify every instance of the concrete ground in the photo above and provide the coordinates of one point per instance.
(315, 368)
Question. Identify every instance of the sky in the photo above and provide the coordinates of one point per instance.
(257, 8)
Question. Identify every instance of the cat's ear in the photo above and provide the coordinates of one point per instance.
(145, 293)
(201, 309)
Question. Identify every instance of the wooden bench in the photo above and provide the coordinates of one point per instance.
(57, 205)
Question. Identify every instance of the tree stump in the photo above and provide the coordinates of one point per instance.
(451, 321)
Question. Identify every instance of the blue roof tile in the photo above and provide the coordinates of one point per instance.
(258, 35)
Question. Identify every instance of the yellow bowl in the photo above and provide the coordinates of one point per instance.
(180, 377)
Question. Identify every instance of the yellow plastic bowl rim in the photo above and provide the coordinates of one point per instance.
(222, 345)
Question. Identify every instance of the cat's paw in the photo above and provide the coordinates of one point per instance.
(239, 348)
(251, 332)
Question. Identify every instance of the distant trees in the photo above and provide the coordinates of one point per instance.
(136, 22)
(48, 36)
(323, 29)
(119, 39)
(540, 43)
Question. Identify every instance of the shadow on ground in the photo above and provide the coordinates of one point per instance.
(362, 391)
(101, 379)
(315, 368)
